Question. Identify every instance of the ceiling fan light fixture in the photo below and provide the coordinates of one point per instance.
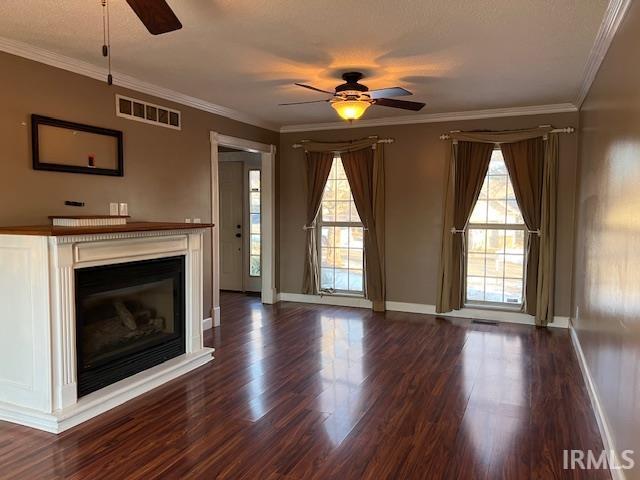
(350, 109)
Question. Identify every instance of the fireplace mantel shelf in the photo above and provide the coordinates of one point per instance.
(51, 231)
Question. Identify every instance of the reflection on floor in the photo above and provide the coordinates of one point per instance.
(306, 391)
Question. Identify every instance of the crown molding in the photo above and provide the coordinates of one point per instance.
(87, 69)
(613, 16)
(435, 117)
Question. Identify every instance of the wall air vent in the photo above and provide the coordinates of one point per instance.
(146, 112)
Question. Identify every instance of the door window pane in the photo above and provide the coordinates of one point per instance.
(254, 265)
(254, 203)
(255, 219)
(254, 248)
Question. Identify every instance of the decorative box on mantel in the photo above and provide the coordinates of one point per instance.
(91, 317)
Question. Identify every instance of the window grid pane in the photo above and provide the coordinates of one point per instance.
(255, 215)
(341, 245)
(496, 241)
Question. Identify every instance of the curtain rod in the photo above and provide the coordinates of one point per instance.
(382, 140)
(446, 136)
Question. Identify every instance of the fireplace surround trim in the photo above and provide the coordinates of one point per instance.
(38, 388)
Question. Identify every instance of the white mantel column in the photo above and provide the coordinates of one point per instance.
(194, 289)
(62, 297)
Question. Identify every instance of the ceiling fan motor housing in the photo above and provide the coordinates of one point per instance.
(351, 79)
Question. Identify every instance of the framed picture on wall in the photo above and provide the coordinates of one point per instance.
(62, 146)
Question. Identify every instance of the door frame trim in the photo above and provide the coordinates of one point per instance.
(268, 165)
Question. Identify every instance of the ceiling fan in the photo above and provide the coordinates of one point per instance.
(351, 99)
(156, 15)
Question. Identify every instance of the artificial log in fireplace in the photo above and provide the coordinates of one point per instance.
(129, 317)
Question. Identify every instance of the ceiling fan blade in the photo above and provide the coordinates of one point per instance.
(156, 15)
(301, 103)
(389, 92)
(313, 88)
(389, 102)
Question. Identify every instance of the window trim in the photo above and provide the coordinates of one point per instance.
(319, 223)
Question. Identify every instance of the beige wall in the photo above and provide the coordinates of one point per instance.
(607, 286)
(167, 172)
(414, 181)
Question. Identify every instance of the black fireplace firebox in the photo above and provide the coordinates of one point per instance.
(129, 317)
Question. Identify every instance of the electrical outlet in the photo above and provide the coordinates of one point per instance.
(113, 209)
(124, 209)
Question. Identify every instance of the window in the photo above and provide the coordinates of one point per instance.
(341, 237)
(496, 241)
(254, 223)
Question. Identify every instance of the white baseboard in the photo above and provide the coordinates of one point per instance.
(476, 313)
(601, 418)
(107, 398)
(207, 324)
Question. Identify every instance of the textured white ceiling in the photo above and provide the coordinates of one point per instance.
(455, 55)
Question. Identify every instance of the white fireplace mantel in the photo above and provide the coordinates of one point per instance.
(37, 321)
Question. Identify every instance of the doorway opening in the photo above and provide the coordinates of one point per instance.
(240, 220)
(242, 182)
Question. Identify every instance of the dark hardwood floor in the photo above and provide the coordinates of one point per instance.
(305, 391)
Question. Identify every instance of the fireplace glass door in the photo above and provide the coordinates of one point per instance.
(130, 317)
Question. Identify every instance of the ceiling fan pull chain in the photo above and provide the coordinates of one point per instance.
(106, 39)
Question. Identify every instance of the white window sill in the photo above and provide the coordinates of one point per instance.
(341, 294)
(491, 307)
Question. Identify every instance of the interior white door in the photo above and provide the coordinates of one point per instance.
(231, 221)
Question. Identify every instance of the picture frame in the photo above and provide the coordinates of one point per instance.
(63, 146)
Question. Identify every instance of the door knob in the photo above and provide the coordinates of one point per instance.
(238, 235)
(238, 226)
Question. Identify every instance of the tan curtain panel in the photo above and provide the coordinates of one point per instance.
(525, 163)
(470, 162)
(547, 262)
(318, 166)
(365, 171)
